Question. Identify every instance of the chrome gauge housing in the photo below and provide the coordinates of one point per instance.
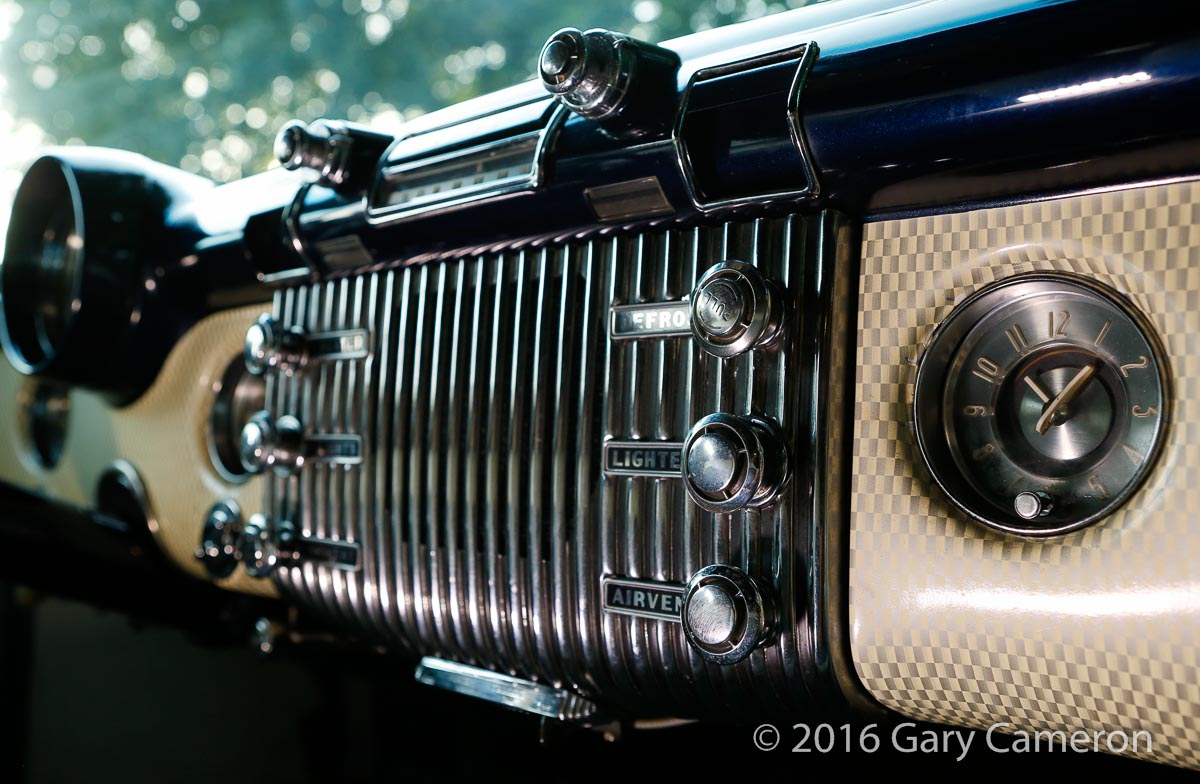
(1041, 403)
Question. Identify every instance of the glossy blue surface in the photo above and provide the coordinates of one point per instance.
(914, 107)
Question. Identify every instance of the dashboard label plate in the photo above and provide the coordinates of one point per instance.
(329, 552)
(651, 320)
(345, 344)
(654, 459)
(643, 598)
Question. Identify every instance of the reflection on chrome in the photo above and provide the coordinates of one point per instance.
(1086, 88)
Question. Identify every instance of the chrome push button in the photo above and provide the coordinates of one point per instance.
(726, 613)
(277, 444)
(271, 346)
(732, 462)
(735, 309)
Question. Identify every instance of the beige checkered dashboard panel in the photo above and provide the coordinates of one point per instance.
(163, 434)
(1098, 630)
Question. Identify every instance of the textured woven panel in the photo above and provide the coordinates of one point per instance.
(1096, 630)
(163, 435)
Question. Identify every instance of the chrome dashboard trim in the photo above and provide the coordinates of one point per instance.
(383, 216)
(516, 693)
(806, 54)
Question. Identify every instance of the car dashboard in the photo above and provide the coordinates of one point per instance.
(835, 365)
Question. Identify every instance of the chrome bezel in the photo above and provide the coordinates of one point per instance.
(951, 328)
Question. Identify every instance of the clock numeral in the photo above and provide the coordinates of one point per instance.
(975, 411)
(987, 450)
(1058, 323)
(1016, 336)
(1141, 363)
(1138, 411)
(1097, 486)
(988, 370)
(1103, 331)
(1132, 454)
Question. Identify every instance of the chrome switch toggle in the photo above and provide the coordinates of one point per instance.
(270, 346)
(734, 309)
(732, 462)
(275, 444)
(726, 613)
(264, 547)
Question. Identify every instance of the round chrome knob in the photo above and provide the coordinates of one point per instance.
(274, 444)
(1031, 506)
(257, 549)
(219, 539)
(736, 309)
(319, 147)
(269, 345)
(731, 462)
(726, 613)
(626, 85)
(712, 463)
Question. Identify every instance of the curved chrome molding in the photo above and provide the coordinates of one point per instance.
(807, 54)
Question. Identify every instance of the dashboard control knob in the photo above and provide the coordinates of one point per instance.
(262, 549)
(732, 462)
(275, 444)
(344, 155)
(298, 146)
(220, 539)
(735, 309)
(625, 84)
(269, 345)
(726, 613)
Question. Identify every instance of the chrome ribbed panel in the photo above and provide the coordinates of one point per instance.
(485, 519)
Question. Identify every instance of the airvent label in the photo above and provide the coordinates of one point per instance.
(643, 598)
(651, 320)
(655, 459)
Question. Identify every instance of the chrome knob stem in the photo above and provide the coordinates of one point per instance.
(726, 613)
(625, 84)
(265, 547)
(271, 346)
(275, 444)
(736, 309)
(318, 147)
(219, 549)
(731, 462)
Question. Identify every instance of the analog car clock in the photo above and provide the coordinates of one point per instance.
(1041, 403)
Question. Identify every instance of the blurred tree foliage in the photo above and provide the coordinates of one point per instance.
(204, 84)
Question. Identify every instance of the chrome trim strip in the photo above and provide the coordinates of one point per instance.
(506, 690)
(806, 54)
(382, 216)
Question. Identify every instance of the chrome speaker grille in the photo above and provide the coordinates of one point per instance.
(485, 521)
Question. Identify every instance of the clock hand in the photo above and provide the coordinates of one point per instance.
(1070, 391)
(1037, 389)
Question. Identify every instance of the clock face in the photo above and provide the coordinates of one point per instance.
(1041, 403)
